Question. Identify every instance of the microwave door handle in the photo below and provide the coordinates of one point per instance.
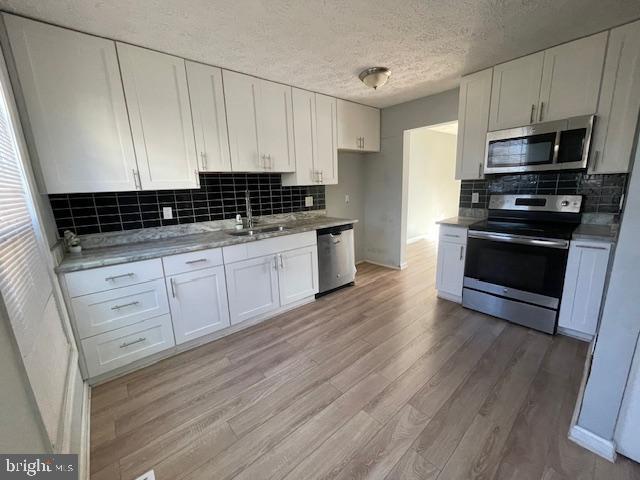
(556, 147)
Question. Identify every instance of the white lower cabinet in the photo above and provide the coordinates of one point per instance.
(298, 274)
(583, 288)
(452, 247)
(198, 302)
(253, 288)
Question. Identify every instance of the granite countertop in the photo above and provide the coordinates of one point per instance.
(459, 221)
(155, 248)
(603, 233)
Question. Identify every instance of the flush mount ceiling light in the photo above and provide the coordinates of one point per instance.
(375, 77)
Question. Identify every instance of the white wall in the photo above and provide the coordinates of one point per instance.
(434, 193)
(351, 181)
(620, 323)
(387, 177)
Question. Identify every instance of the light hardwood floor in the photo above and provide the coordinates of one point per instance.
(382, 380)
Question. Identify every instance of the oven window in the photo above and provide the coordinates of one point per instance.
(516, 152)
(524, 267)
(571, 145)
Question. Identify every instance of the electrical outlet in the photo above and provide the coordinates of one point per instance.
(147, 476)
(475, 197)
(346, 198)
(308, 201)
(167, 213)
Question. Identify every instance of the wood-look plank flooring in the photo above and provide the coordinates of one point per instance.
(382, 380)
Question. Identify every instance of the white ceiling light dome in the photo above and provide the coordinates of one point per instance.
(375, 77)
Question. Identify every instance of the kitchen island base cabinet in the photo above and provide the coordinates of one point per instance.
(452, 247)
(583, 288)
(198, 302)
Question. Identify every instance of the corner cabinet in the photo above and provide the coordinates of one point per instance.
(315, 139)
(155, 86)
(473, 120)
(452, 246)
(619, 103)
(260, 124)
(79, 128)
(206, 96)
(583, 288)
(358, 127)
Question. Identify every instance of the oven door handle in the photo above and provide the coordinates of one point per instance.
(520, 239)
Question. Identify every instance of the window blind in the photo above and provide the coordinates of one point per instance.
(25, 283)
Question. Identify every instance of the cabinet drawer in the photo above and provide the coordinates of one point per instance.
(117, 348)
(453, 234)
(108, 278)
(104, 311)
(244, 251)
(187, 262)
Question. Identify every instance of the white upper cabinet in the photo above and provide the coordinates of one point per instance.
(260, 121)
(515, 92)
(209, 117)
(358, 127)
(473, 121)
(275, 126)
(315, 139)
(75, 106)
(617, 114)
(155, 86)
(571, 78)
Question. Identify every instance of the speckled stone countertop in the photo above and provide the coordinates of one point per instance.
(459, 221)
(602, 233)
(159, 247)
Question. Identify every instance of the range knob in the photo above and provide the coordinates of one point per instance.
(564, 203)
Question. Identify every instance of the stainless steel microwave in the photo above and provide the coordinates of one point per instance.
(559, 145)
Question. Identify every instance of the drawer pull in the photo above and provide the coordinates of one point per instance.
(451, 235)
(591, 247)
(189, 262)
(115, 277)
(118, 307)
(128, 344)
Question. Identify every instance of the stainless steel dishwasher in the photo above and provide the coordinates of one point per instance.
(336, 258)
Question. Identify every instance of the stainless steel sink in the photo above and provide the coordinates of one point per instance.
(257, 230)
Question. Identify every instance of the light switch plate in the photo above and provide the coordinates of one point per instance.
(475, 197)
(167, 213)
(308, 201)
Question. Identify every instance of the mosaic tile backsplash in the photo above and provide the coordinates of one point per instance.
(221, 196)
(602, 193)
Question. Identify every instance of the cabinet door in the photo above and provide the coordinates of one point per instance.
(515, 92)
(76, 108)
(370, 121)
(473, 121)
(450, 273)
(198, 302)
(298, 274)
(155, 86)
(584, 286)
(571, 78)
(304, 136)
(275, 126)
(252, 286)
(326, 159)
(209, 117)
(349, 128)
(241, 97)
(617, 114)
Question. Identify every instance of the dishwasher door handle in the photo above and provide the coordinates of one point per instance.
(336, 237)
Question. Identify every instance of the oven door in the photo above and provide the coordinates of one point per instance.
(522, 268)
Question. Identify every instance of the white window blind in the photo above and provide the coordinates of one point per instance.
(25, 283)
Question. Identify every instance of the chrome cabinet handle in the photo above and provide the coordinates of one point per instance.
(128, 344)
(533, 110)
(118, 307)
(203, 157)
(540, 112)
(116, 277)
(199, 260)
(136, 179)
(270, 166)
(591, 247)
(320, 179)
(197, 177)
(461, 251)
(596, 157)
(275, 263)
(451, 235)
(281, 261)
(480, 169)
(173, 287)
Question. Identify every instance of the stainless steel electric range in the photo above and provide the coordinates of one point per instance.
(516, 258)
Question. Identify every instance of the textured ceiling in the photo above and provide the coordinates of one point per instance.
(321, 45)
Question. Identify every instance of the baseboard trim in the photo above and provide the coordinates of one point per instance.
(594, 443)
(85, 439)
(451, 298)
(380, 264)
(585, 337)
